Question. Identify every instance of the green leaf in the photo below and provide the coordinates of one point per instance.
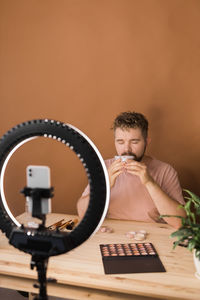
(185, 233)
(191, 245)
(176, 244)
(193, 196)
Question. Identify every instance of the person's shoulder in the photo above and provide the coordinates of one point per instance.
(155, 163)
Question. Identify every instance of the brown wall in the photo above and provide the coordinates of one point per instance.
(83, 62)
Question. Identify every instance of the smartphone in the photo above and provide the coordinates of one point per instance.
(38, 177)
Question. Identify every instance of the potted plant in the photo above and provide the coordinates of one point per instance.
(189, 232)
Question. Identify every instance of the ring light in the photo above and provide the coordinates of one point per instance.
(92, 161)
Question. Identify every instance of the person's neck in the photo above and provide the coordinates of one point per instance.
(145, 158)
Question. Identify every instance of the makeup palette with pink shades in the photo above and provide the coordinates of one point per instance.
(130, 258)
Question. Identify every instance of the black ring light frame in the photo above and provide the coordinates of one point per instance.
(91, 160)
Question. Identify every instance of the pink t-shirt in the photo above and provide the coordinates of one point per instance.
(129, 198)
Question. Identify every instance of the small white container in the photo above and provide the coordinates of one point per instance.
(124, 157)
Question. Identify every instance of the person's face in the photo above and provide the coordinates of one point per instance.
(130, 141)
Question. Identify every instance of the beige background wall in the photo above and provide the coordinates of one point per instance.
(83, 62)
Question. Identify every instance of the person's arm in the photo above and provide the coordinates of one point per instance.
(164, 203)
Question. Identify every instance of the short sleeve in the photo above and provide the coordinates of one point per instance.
(170, 184)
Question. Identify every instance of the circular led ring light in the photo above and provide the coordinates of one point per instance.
(88, 155)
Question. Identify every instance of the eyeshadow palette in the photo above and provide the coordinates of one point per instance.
(130, 258)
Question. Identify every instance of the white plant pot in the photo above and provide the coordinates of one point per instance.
(197, 265)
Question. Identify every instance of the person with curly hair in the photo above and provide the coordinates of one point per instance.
(142, 187)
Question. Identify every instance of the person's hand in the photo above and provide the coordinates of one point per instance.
(115, 169)
(140, 169)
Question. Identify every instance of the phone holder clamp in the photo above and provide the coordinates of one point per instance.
(37, 194)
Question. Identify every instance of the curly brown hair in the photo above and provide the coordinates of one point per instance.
(131, 120)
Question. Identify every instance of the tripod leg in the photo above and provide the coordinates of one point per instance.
(41, 265)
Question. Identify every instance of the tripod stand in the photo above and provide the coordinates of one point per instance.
(41, 265)
(39, 261)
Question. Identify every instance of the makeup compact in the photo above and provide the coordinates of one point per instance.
(130, 258)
